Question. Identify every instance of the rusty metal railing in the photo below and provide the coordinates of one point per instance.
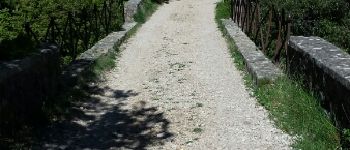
(78, 31)
(269, 29)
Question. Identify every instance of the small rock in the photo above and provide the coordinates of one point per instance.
(161, 135)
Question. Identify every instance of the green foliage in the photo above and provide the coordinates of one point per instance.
(160, 1)
(223, 10)
(312, 10)
(335, 33)
(299, 113)
(10, 25)
(346, 135)
(14, 14)
(106, 62)
(329, 19)
(149, 6)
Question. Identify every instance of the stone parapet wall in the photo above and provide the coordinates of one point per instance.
(261, 68)
(26, 84)
(325, 69)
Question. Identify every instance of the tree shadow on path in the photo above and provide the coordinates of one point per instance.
(101, 122)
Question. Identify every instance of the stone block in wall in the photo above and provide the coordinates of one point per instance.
(26, 84)
(130, 9)
(325, 69)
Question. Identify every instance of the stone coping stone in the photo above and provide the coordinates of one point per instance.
(330, 58)
(261, 68)
(325, 70)
(113, 40)
(130, 9)
(103, 47)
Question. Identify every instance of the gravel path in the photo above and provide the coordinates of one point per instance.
(175, 87)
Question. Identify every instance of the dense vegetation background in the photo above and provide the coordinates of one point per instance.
(88, 15)
(329, 19)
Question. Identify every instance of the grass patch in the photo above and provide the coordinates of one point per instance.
(299, 113)
(102, 64)
(197, 130)
(148, 8)
(222, 10)
(292, 108)
(142, 15)
(106, 62)
(199, 105)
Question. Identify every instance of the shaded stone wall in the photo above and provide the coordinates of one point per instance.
(325, 69)
(25, 85)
